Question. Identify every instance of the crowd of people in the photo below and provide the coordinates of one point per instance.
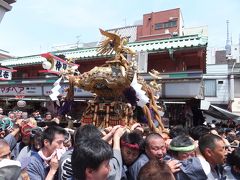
(28, 151)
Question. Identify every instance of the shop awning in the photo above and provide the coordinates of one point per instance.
(222, 114)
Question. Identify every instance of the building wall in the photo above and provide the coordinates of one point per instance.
(236, 87)
(219, 84)
(220, 57)
(236, 52)
(182, 61)
(222, 91)
(149, 31)
(201, 30)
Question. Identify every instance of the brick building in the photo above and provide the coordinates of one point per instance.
(160, 25)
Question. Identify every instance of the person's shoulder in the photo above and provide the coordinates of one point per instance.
(142, 157)
(141, 160)
(66, 155)
(35, 158)
(192, 168)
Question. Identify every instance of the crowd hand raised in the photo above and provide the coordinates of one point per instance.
(119, 132)
(71, 131)
(116, 137)
(174, 165)
(235, 143)
(108, 136)
(20, 122)
(135, 125)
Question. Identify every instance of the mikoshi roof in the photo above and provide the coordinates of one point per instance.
(179, 42)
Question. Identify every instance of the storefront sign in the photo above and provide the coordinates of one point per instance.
(183, 90)
(6, 74)
(77, 92)
(20, 90)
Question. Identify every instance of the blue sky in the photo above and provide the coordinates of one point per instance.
(35, 26)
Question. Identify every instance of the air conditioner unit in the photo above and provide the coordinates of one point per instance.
(175, 33)
(167, 31)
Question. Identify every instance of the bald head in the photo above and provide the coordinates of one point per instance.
(152, 136)
(4, 149)
(3, 143)
(155, 146)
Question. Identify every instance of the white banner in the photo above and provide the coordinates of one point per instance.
(6, 74)
(77, 92)
(55, 64)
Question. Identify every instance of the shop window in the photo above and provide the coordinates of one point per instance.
(237, 88)
(210, 88)
(159, 26)
(165, 25)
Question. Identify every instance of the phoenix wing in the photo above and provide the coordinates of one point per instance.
(110, 43)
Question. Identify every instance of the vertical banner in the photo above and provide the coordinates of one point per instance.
(142, 61)
(54, 64)
(6, 74)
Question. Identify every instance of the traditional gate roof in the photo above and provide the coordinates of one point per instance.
(153, 46)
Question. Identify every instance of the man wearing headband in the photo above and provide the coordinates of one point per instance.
(182, 148)
(131, 148)
(208, 164)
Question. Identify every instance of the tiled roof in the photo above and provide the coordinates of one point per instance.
(129, 31)
(86, 53)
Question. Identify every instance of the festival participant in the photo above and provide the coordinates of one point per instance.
(35, 144)
(18, 114)
(12, 132)
(90, 131)
(90, 159)
(155, 148)
(37, 116)
(11, 115)
(131, 148)
(233, 168)
(65, 167)
(208, 165)
(24, 115)
(48, 117)
(212, 147)
(9, 169)
(155, 170)
(44, 163)
(182, 147)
